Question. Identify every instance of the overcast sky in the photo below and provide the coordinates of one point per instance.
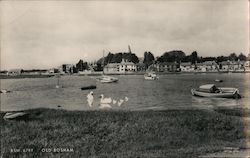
(36, 34)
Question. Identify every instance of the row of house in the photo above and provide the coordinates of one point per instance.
(126, 67)
(212, 66)
(208, 66)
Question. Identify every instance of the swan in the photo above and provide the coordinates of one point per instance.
(114, 101)
(126, 99)
(90, 98)
(104, 102)
(120, 102)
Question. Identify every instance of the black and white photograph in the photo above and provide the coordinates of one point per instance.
(124, 79)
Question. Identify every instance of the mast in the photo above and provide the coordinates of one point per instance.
(103, 61)
(129, 49)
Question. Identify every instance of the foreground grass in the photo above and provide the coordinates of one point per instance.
(171, 133)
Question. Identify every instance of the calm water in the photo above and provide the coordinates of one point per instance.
(169, 92)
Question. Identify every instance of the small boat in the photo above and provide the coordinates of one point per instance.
(151, 76)
(4, 91)
(88, 87)
(107, 79)
(210, 90)
(15, 115)
(218, 80)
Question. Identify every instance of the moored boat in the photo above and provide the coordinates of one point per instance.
(210, 90)
(88, 87)
(14, 115)
(107, 79)
(151, 76)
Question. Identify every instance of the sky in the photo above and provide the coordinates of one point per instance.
(46, 34)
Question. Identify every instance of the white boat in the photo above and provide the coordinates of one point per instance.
(107, 79)
(210, 90)
(14, 115)
(151, 76)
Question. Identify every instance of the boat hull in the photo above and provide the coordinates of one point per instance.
(108, 79)
(224, 93)
(16, 115)
(88, 87)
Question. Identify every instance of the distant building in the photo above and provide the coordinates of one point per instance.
(187, 67)
(207, 66)
(120, 68)
(4, 72)
(168, 67)
(66, 68)
(14, 72)
(247, 66)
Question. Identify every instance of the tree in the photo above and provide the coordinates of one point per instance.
(148, 58)
(242, 57)
(80, 66)
(194, 57)
(172, 56)
(233, 57)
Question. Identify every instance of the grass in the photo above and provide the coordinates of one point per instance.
(170, 133)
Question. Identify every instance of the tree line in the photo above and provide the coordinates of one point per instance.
(177, 56)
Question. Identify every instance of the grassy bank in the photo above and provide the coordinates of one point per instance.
(172, 133)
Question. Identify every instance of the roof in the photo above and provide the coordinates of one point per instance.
(207, 86)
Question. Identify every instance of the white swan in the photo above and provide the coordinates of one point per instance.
(105, 102)
(120, 102)
(90, 99)
(114, 101)
(126, 99)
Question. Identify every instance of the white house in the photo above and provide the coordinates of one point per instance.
(187, 67)
(14, 72)
(120, 68)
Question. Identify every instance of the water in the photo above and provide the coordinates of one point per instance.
(169, 92)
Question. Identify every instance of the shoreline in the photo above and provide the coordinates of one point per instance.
(98, 74)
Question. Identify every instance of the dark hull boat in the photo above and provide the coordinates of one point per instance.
(88, 87)
(212, 91)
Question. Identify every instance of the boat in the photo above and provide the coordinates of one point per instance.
(104, 78)
(218, 80)
(107, 79)
(151, 76)
(210, 90)
(4, 91)
(88, 87)
(15, 115)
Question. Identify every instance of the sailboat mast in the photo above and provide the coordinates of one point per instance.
(103, 62)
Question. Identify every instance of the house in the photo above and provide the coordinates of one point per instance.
(187, 67)
(66, 68)
(247, 66)
(120, 68)
(14, 72)
(207, 66)
(168, 67)
(4, 72)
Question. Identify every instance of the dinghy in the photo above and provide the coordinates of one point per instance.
(88, 87)
(15, 115)
(107, 79)
(210, 90)
(151, 76)
(218, 80)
